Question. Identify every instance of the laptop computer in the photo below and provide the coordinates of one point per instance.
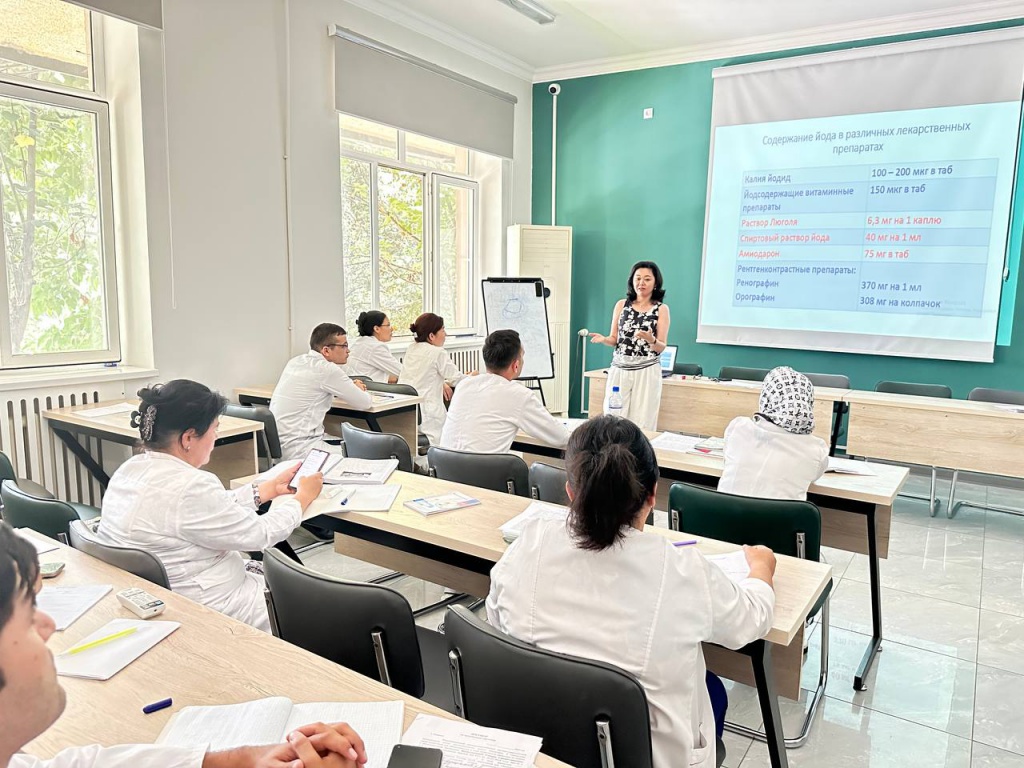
(668, 360)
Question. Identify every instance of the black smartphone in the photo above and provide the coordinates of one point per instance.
(403, 756)
(310, 466)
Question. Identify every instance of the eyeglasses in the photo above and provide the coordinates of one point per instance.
(343, 346)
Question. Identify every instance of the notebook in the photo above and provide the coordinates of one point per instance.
(444, 502)
(105, 661)
(361, 498)
(351, 471)
(42, 545)
(734, 564)
(537, 510)
(66, 605)
(269, 721)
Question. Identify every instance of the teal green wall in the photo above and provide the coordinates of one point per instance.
(635, 189)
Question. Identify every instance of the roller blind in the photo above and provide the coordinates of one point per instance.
(383, 84)
(146, 13)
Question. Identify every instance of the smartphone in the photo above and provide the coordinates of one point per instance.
(310, 466)
(403, 756)
(49, 570)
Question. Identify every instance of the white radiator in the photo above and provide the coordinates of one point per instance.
(37, 454)
(466, 357)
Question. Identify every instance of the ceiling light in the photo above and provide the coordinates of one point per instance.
(531, 10)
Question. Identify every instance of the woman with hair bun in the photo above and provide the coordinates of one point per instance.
(368, 354)
(597, 586)
(427, 367)
(160, 500)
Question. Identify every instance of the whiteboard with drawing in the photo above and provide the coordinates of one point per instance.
(518, 303)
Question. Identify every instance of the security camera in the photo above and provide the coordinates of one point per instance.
(554, 89)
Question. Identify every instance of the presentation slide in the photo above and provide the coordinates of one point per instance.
(890, 223)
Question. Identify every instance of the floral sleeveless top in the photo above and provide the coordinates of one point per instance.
(632, 353)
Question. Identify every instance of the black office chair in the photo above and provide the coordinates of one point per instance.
(547, 483)
(365, 379)
(589, 714)
(502, 472)
(50, 517)
(32, 488)
(366, 444)
(985, 395)
(920, 390)
(422, 443)
(687, 369)
(143, 564)
(368, 628)
(788, 527)
(739, 373)
(268, 443)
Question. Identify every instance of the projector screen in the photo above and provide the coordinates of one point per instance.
(859, 201)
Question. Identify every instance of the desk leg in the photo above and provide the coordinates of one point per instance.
(875, 646)
(838, 409)
(83, 456)
(764, 678)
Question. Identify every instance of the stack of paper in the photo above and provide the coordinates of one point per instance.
(572, 424)
(104, 660)
(734, 564)
(362, 498)
(361, 471)
(66, 605)
(472, 746)
(41, 544)
(537, 510)
(849, 467)
(107, 410)
(670, 441)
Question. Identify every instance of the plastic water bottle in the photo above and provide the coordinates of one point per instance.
(615, 403)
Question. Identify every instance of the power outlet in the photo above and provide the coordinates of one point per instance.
(649, 113)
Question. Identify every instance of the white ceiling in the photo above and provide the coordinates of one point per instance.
(593, 36)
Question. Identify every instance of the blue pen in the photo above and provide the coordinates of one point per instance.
(156, 706)
(685, 543)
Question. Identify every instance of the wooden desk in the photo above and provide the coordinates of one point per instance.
(235, 452)
(705, 407)
(210, 660)
(389, 413)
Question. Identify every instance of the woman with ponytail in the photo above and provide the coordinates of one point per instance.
(597, 586)
(368, 354)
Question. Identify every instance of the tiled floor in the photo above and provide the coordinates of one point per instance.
(948, 688)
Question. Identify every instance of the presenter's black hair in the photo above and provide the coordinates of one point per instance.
(323, 335)
(367, 321)
(612, 472)
(179, 405)
(659, 291)
(501, 349)
(19, 571)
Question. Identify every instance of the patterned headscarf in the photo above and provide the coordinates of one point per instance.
(787, 400)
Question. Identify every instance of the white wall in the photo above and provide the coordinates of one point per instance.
(228, 323)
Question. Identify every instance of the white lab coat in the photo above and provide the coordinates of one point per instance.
(488, 411)
(183, 515)
(428, 368)
(121, 756)
(368, 356)
(302, 397)
(764, 460)
(642, 605)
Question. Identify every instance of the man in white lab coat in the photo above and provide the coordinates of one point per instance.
(489, 410)
(31, 699)
(308, 385)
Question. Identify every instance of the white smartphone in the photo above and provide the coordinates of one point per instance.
(310, 466)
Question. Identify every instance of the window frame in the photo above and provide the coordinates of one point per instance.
(65, 98)
(431, 230)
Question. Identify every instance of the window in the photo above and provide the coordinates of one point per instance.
(409, 211)
(58, 296)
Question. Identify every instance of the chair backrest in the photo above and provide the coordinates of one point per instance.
(365, 379)
(271, 448)
(687, 369)
(364, 444)
(547, 483)
(395, 389)
(1005, 396)
(6, 468)
(577, 706)
(834, 380)
(740, 373)
(913, 388)
(143, 564)
(502, 472)
(788, 527)
(368, 628)
(49, 517)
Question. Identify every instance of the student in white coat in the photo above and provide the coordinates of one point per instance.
(597, 586)
(489, 410)
(308, 385)
(368, 354)
(428, 368)
(32, 699)
(161, 501)
(774, 455)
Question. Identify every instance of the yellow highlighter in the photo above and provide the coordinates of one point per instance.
(102, 641)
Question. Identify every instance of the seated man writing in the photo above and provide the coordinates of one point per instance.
(489, 410)
(306, 388)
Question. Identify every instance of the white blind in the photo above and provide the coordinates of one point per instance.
(379, 83)
(146, 13)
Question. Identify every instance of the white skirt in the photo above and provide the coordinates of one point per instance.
(640, 391)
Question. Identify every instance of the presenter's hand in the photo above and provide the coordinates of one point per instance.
(309, 489)
(646, 336)
(360, 383)
(597, 338)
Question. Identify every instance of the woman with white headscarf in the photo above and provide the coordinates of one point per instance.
(774, 455)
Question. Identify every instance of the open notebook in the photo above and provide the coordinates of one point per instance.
(104, 661)
(269, 721)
